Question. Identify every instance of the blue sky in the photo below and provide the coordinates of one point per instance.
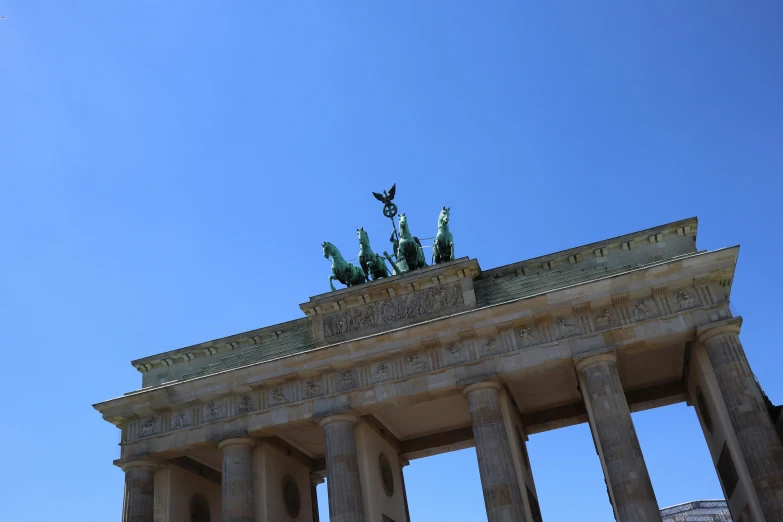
(168, 171)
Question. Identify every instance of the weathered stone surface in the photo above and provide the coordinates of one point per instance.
(342, 468)
(139, 504)
(621, 456)
(502, 496)
(237, 486)
(761, 447)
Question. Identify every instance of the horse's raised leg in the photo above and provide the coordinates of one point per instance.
(331, 277)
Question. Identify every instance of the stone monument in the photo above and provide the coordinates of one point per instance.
(450, 356)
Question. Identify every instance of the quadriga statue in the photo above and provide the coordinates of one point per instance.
(342, 270)
(373, 264)
(443, 246)
(410, 255)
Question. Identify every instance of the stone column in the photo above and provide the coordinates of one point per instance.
(315, 479)
(403, 463)
(342, 468)
(237, 483)
(502, 497)
(759, 443)
(621, 456)
(139, 502)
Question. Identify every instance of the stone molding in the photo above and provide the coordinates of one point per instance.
(727, 326)
(125, 465)
(316, 479)
(236, 441)
(343, 417)
(483, 385)
(591, 360)
(370, 374)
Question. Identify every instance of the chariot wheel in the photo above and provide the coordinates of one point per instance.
(390, 210)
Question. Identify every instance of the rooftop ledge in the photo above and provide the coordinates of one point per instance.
(437, 274)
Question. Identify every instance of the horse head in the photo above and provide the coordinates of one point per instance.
(404, 230)
(364, 239)
(328, 249)
(443, 218)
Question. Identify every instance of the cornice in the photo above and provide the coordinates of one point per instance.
(378, 346)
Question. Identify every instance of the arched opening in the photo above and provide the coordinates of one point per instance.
(199, 509)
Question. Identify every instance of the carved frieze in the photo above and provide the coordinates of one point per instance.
(686, 299)
(148, 427)
(213, 410)
(278, 396)
(565, 328)
(345, 380)
(490, 347)
(245, 404)
(382, 372)
(392, 310)
(453, 354)
(642, 310)
(527, 337)
(416, 364)
(180, 421)
(313, 388)
(606, 319)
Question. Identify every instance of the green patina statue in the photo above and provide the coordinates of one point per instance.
(372, 264)
(408, 251)
(342, 270)
(443, 246)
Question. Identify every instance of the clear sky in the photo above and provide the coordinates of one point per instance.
(168, 171)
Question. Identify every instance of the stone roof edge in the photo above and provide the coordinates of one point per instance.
(285, 326)
(723, 500)
(141, 391)
(693, 222)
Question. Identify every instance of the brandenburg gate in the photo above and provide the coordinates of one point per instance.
(448, 356)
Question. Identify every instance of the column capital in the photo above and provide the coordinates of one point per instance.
(316, 479)
(601, 358)
(342, 417)
(236, 441)
(130, 463)
(483, 385)
(708, 331)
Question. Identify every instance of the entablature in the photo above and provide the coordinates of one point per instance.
(625, 308)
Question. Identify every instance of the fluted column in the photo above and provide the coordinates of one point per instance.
(759, 443)
(610, 419)
(403, 463)
(237, 486)
(315, 479)
(502, 497)
(139, 502)
(342, 468)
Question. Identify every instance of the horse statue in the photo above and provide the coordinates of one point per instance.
(443, 246)
(410, 255)
(342, 270)
(372, 264)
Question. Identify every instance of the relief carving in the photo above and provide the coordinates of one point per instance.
(148, 428)
(642, 312)
(526, 336)
(394, 309)
(454, 353)
(686, 299)
(416, 364)
(382, 373)
(180, 421)
(346, 380)
(245, 404)
(313, 389)
(278, 395)
(213, 410)
(565, 329)
(606, 319)
(491, 346)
